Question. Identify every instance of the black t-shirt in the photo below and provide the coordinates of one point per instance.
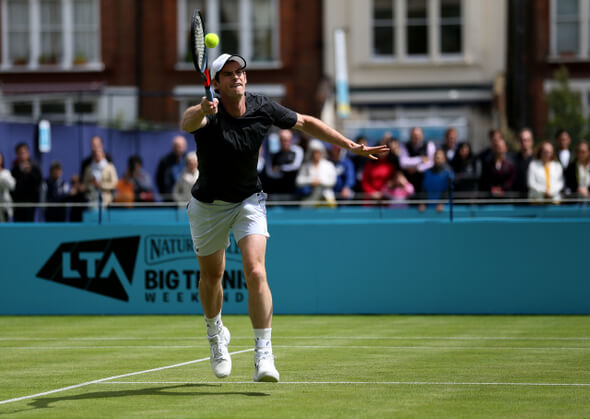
(227, 149)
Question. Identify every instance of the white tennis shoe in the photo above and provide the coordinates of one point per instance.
(264, 367)
(220, 358)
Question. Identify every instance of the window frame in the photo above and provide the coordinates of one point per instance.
(67, 29)
(583, 52)
(400, 26)
(246, 29)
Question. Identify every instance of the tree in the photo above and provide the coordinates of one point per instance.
(565, 108)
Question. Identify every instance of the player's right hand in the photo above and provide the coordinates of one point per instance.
(209, 108)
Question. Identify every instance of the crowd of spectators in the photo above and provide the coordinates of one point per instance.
(314, 173)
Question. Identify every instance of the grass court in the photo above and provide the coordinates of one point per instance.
(331, 366)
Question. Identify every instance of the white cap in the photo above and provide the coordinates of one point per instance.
(222, 60)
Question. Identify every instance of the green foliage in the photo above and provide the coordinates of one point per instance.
(565, 108)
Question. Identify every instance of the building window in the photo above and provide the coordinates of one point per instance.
(417, 27)
(451, 29)
(247, 27)
(62, 33)
(383, 27)
(570, 29)
(425, 28)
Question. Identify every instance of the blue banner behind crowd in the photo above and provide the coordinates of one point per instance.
(321, 266)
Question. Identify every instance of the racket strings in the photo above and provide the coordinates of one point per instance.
(199, 41)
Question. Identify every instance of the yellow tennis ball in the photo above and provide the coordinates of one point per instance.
(211, 40)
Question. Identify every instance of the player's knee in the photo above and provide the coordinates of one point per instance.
(211, 278)
(256, 276)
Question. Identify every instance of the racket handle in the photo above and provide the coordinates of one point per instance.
(209, 93)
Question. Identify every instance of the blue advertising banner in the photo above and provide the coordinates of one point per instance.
(314, 266)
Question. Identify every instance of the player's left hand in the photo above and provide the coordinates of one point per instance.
(370, 152)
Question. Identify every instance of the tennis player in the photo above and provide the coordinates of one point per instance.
(228, 195)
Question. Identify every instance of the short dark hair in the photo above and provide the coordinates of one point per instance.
(55, 165)
(133, 161)
(21, 145)
(559, 132)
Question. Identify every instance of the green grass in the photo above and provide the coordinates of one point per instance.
(331, 366)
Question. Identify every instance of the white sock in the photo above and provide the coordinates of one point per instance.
(262, 339)
(214, 324)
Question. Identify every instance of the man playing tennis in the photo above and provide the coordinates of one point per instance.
(228, 195)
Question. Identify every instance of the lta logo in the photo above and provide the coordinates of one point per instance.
(103, 267)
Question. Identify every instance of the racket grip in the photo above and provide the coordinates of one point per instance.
(209, 93)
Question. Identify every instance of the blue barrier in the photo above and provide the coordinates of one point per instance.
(348, 265)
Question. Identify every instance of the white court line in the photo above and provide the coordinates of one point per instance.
(480, 348)
(102, 380)
(278, 337)
(393, 383)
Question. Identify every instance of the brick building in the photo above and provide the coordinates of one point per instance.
(544, 35)
(120, 61)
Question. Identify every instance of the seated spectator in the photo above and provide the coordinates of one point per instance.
(282, 167)
(376, 174)
(188, 177)
(317, 176)
(522, 159)
(95, 144)
(359, 163)
(466, 169)
(100, 178)
(345, 177)
(497, 172)
(7, 184)
(437, 180)
(416, 157)
(577, 174)
(563, 142)
(395, 152)
(398, 189)
(28, 183)
(55, 190)
(545, 175)
(450, 143)
(136, 184)
(77, 196)
(170, 167)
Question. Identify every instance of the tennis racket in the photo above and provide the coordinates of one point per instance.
(199, 51)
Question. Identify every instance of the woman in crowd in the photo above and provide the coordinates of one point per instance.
(7, 184)
(545, 174)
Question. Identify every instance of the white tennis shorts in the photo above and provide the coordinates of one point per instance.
(211, 223)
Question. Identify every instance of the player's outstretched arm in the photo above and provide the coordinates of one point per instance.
(194, 117)
(320, 130)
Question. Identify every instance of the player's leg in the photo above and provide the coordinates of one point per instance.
(253, 249)
(210, 234)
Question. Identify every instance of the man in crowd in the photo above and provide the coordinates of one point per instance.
(417, 156)
(170, 167)
(282, 167)
(28, 179)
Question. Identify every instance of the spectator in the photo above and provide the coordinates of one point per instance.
(417, 157)
(55, 191)
(494, 137)
(28, 183)
(100, 178)
(376, 174)
(397, 189)
(317, 175)
(497, 172)
(450, 143)
(522, 159)
(437, 180)
(466, 169)
(7, 184)
(577, 174)
(95, 144)
(170, 167)
(77, 196)
(136, 184)
(345, 176)
(395, 152)
(359, 163)
(188, 177)
(545, 174)
(282, 167)
(563, 141)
